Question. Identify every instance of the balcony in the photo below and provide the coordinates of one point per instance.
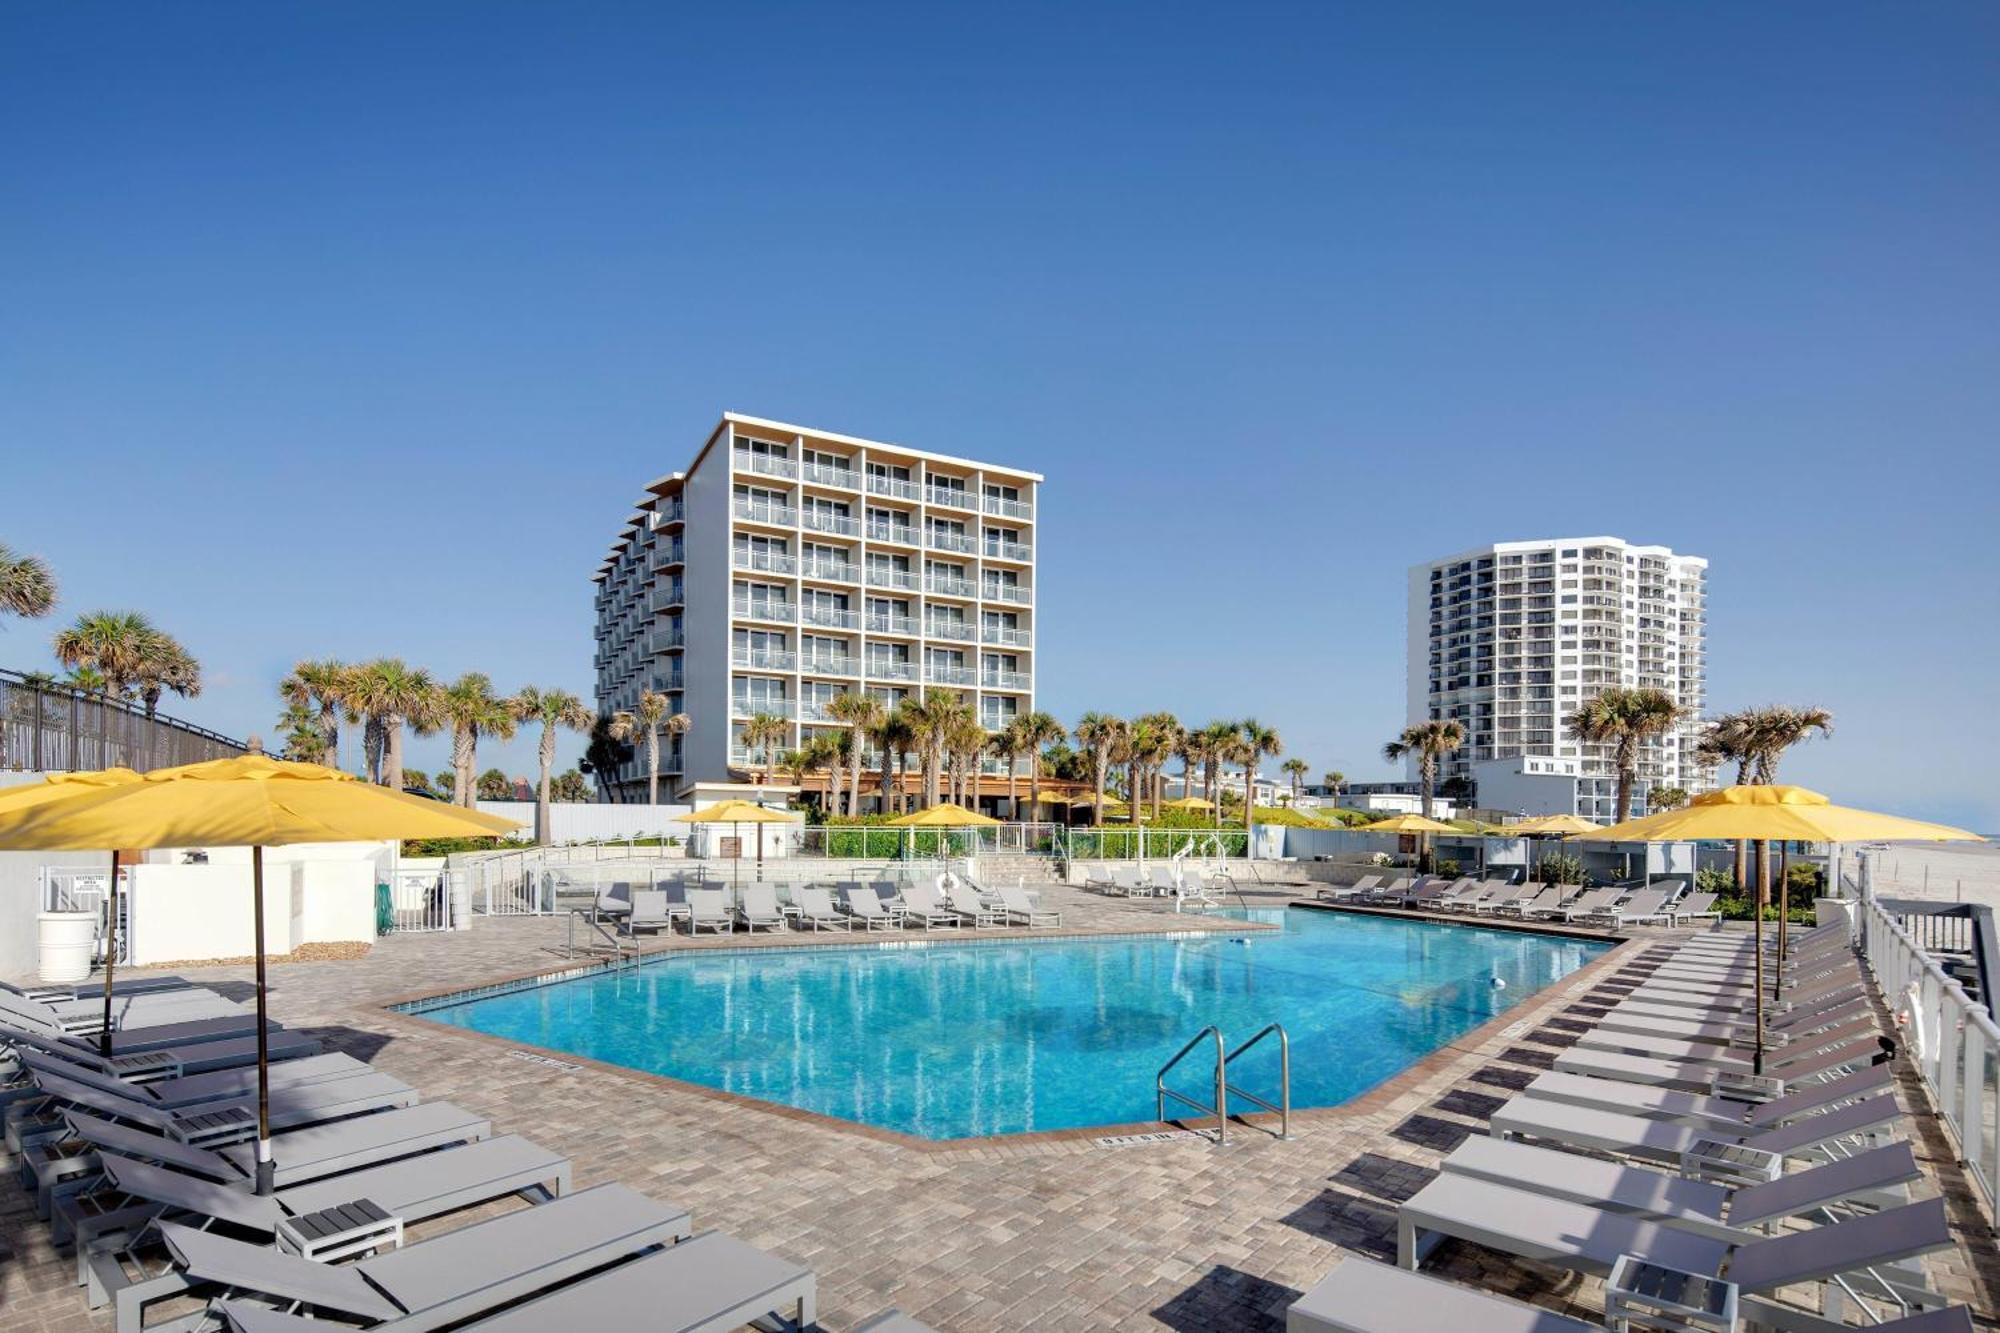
(901, 533)
(762, 659)
(884, 668)
(742, 706)
(838, 571)
(1015, 551)
(766, 562)
(1012, 638)
(950, 629)
(949, 675)
(826, 474)
(950, 541)
(671, 682)
(816, 710)
(783, 612)
(664, 598)
(763, 511)
(814, 520)
(828, 617)
(667, 512)
(1007, 592)
(668, 555)
(1003, 680)
(903, 625)
(830, 664)
(895, 486)
(764, 465)
(949, 498)
(946, 586)
(664, 640)
(879, 577)
(1008, 508)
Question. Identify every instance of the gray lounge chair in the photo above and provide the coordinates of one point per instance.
(1020, 911)
(128, 1012)
(1500, 896)
(892, 1321)
(110, 1247)
(921, 905)
(444, 1281)
(1591, 1240)
(1664, 1141)
(1690, 1108)
(759, 908)
(1694, 907)
(710, 1282)
(168, 1062)
(94, 990)
(175, 1094)
(865, 907)
(1727, 1029)
(1360, 888)
(817, 912)
(1590, 903)
(1360, 1296)
(1706, 1208)
(1732, 1057)
(1700, 1075)
(1645, 905)
(961, 898)
(708, 909)
(212, 1122)
(1544, 898)
(650, 911)
(126, 1041)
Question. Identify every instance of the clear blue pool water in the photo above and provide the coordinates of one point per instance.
(945, 1040)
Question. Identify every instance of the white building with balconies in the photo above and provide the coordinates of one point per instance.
(787, 566)
(1509, 639)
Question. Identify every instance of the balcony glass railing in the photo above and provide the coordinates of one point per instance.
(945, 495)
(896, 486)
(891, 532)
(667, 555)
(904, 625)
(787, 612)
(1003, 680)
(950, 629)
(1016, 638)
(946, 586)
(664, 598)
(668, 511)
(949, 675)
(765, 465)
(1006, 592)
(769, 562)
(879, 577)
(882, 668)
(949, 541)
(816, 520)
(762, 659)
(838, 570)
(670, 683)
(829, 617)
(998, 550)
(830, 665)
(662, 640)
(761, 511)
(826, 474)
(1009, 508)
(744, 705)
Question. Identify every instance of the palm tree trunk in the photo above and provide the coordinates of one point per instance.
(394, 778)
(1035, 786)
(1097, 768)
(653, 767)
(854, 781)
(464, 757)
(548, 760)
(888, 765)
(1426, 774)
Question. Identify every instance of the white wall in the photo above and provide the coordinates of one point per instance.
(581, 822)
(706, 494)
(21, 903)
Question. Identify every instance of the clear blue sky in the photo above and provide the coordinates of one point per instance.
(352, 328)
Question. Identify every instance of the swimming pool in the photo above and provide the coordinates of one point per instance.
(950, 1040)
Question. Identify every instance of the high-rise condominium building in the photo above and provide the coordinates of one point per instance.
(1509, 639)
(787, 566)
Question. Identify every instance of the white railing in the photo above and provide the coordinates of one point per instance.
(950, 498)
(786, 708)
(1016, 638)
(891, 532)
(770, 562)
(1951, 1038)
(947, 586)
(999, 550)
(824, 474)
(762, 659)
(903, 625)
(830, 665)
(1006, 592)
(840, 524)
(949, 541)
(1009, 508)
(764, 511)
(878, 577)
(785, 611)
(747, 461)
(950, 629)
(896, 486)
(890, 669)
(841, 571)
(829, 617)
(421, 900)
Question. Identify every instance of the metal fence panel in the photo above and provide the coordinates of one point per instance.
(62, 730)
(86, 889)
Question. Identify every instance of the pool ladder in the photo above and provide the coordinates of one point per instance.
(1223, 1090)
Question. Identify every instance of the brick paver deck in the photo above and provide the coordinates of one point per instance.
(1048, 1233)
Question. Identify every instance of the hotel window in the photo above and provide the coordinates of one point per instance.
(756, 543)
(889, 471)
(820, 507)
(956, 485)
(761, 598)
(758, 694)
(761, 448)
(759, 641)
(996, 579)
(884, 655)
(996, 711)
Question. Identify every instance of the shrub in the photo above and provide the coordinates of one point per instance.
(1559, 868)
(1716, 880)
(1448, 869)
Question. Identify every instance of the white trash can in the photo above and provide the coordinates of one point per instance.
(461, 899)
(68, 945)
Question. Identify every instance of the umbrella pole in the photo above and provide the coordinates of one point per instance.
(266, 1168)
(1784, 909)
(110, 958)
(1763, 892)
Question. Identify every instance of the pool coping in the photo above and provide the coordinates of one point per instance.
(397, 1011)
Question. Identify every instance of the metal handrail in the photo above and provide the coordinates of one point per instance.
(588, 916)
(1284, 1106)
(1161, 1091)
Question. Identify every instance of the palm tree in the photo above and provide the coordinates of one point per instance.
(1627, 720)
(1429, 742)
(114, 643)
(647, 719)
(1336, 781)
(1099, 734)
(495, 785)
(304, 741)
(87, 679)
(1156, 738)
(1296, 769)
(931, 719)
(447, 784)
(890, 734)
(553, 709)
(860, 712)
(27, 587)
(469, 706)
(1729, 739)
(762, 731)
(388, 693)
(1008, 745)
(165, 665)
(320, 687)
(967, 742)
(1038, 731)
(1777, 729)
(1258, 741)
(1219, 740)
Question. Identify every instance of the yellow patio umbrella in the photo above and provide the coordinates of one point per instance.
(1542, 826)
(736, 811)
(1772, 813)
(249, 801)
(1417, 824)
(62, 786)
(1187, 803)
(946, 815)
